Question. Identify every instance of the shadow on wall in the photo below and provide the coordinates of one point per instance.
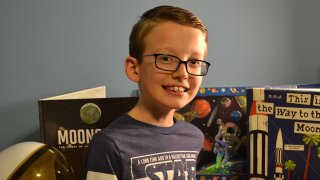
(318, 80)
(34, 135)
(19, 123)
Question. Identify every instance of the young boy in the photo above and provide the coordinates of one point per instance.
(168, 46)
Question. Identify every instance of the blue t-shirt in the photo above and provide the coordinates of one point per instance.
(131, 149)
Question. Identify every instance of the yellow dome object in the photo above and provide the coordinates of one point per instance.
(34, 160)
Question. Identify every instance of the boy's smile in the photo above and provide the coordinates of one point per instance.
(177, 89)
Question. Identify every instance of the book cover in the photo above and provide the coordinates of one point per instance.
(68, 122)
(220, 113)
(284, 132)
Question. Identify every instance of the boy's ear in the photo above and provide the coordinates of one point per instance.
(132, 68)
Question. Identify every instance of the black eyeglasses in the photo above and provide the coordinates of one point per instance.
(172, 63)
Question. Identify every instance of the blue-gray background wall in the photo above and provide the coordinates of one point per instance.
(51, 47)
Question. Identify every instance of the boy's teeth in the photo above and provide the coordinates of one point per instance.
(176, 89)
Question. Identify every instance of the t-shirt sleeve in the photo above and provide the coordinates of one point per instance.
(103, 159)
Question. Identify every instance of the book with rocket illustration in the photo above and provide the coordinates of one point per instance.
(284, 132)
(220, 113)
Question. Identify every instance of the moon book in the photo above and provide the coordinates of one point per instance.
(284, 132)
(68, 122)
(220, 113)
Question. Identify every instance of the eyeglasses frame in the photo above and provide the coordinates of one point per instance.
(180, 62)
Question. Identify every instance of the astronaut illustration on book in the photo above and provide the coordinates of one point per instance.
(227, 143)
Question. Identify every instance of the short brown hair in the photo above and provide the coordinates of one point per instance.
(157, 15)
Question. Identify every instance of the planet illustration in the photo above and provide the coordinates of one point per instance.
(178, 116)
(90, 113)
(202, 90)
(242, 102)
(226, 102)
(189, 116)
(233, 90)
(201, 107)
(236, 116)
(214, 90)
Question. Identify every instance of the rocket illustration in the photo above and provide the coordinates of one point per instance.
(278, 175)
(258, 137)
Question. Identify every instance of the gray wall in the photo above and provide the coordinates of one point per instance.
(50, 47)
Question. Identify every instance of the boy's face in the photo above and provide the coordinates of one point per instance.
(164, 89)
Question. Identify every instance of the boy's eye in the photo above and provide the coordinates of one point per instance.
(166, 59)
(194, 62)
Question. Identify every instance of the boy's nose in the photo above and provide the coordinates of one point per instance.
(181, 72)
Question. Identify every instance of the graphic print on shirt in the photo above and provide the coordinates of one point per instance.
(166, 166)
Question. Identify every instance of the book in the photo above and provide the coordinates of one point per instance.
(284, 132)
(214, 110)
(68, 122)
